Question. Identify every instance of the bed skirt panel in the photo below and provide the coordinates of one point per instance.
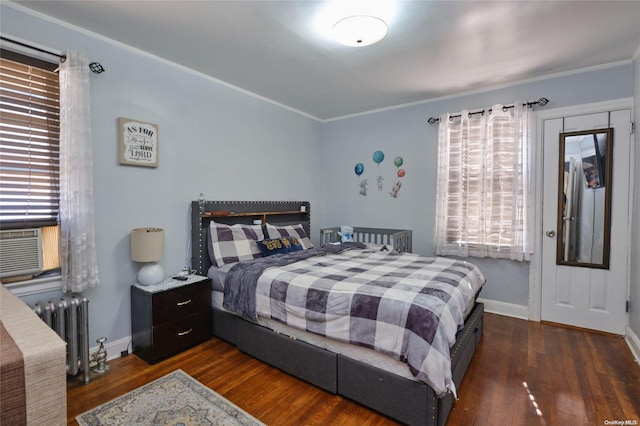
(224, 326)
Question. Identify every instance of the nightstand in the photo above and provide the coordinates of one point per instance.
(170, 317)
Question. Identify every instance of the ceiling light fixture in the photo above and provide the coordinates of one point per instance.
(359, 30)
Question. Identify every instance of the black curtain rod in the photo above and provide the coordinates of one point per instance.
(93, 66)
(28, 46)
(540, 102)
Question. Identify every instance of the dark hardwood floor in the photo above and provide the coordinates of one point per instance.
(524, 373)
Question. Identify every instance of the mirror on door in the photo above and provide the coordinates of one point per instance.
(584, 198)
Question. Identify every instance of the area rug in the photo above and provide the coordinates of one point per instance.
(174, 399)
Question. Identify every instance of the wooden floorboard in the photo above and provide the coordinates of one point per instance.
(523, 373)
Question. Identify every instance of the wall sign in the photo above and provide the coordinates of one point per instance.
(138, 143)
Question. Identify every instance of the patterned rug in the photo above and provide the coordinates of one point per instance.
(174, 399)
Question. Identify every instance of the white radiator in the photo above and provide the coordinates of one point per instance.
(69, 317)
(20, 252)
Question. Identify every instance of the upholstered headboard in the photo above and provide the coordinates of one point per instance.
(245, 212)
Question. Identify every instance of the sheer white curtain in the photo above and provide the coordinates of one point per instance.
(483, 197)
(77, 231)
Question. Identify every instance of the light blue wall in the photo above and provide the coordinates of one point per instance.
(405, 132)
(212, 138)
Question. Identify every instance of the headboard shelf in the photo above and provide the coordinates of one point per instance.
(263, 214)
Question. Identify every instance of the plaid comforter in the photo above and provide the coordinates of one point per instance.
(407, 306)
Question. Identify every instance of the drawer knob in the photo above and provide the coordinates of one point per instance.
(186, 302)
(184, 333)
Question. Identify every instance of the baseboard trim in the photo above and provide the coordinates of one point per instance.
(506, 309)
(634, 343)
(115, 348)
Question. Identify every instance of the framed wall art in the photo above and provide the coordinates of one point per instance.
(138, 142)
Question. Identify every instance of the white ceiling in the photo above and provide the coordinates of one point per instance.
(433, 49)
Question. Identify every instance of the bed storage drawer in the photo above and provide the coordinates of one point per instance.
(461, 354)
(386, 392)
(472, 331)
(310, 363)
(479, 326)
(466, 342)
(463, 359)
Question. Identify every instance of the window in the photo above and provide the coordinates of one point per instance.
(29, 149)
(482, 187)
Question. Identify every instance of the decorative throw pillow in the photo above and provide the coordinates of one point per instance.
(279, 245)
(290, 231)
(234, 243)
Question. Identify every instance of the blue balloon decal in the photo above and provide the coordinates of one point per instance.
(359, 169)
(378, 157)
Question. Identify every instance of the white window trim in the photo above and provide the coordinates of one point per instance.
(35, 286)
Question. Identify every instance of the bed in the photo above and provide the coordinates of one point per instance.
(390, 382)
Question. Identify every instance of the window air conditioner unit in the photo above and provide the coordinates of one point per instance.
(20, 252)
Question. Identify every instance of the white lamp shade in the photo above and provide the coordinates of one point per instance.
(147, 244)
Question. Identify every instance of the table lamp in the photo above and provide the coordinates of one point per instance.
(147, 245)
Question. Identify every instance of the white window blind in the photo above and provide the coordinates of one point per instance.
(482, 201)
(29, 143)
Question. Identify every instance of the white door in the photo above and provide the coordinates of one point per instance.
(579, 296)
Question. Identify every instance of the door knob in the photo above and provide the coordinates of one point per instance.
(551, 233)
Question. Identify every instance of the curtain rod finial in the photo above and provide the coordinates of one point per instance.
(96, 67)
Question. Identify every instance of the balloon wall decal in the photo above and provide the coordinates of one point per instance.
(398, 161)
(378, 157)
(359, 169)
